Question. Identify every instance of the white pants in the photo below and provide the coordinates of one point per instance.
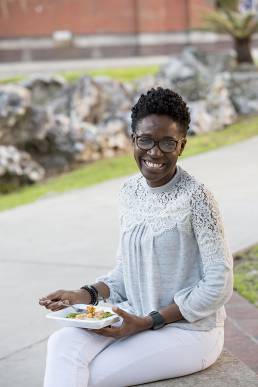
(79, 358)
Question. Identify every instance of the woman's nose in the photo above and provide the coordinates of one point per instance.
(155, 151)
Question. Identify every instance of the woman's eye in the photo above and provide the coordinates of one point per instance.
(168, 142)
(145, 140)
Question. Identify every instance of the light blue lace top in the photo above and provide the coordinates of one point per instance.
(172, 249)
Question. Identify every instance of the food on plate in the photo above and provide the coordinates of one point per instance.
(90, 312)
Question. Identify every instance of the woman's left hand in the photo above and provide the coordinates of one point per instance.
(131, 324)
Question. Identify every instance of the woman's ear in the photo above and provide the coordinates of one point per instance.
(182, 146)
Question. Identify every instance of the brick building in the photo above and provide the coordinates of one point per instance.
(70, 29)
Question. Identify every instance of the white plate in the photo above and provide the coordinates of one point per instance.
(59, 317)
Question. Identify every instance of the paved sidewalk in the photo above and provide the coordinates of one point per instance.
(47, 67)
(67, 240)
(38, 67)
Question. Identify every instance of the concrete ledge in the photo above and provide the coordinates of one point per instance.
(227, 371)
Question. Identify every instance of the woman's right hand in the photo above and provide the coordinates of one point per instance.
(53, 301)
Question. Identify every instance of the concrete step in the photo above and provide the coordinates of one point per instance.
(227, 371)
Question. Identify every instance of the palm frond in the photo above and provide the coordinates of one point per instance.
(218, 21)
(226, 4)
(239, 25)
(231, 5)
(250, 25)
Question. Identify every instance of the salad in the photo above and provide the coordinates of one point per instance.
(90, 312)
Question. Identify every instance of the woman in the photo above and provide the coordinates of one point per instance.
(173, 273)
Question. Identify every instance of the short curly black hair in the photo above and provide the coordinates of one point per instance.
(161, 102)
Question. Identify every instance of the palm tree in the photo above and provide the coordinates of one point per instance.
(240, 25)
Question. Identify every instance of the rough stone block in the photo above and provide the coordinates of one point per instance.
(226, 371)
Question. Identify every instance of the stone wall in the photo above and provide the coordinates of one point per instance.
(48, 126)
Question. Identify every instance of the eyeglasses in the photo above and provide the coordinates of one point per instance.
(166, 144)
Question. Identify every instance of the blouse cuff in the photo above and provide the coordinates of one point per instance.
(179, 301)
(114, 296)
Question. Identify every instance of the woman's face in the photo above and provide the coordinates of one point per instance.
(163, 164)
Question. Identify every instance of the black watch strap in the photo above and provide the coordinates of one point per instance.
(158, 320)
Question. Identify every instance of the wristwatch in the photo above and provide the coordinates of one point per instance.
(158, 320)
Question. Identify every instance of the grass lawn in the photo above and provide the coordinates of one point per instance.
(246, 274)
(102, 170)
(126, 74)
(14, 79)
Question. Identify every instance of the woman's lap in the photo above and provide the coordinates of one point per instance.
(155, 355)
(77, 357)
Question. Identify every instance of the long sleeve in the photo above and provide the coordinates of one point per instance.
(115, 281)
(216, 286)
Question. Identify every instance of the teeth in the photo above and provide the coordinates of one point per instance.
(153, 165)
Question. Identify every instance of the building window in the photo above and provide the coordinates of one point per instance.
(248, 5)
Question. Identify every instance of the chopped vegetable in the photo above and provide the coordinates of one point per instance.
(90, 312)
(71, 315)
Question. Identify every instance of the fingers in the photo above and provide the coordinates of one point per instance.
(100, 332)
(55, 295)
(110, 332)
(122, 313)
(53, 305)
(57, 305)
(44, 301)
(50, 301)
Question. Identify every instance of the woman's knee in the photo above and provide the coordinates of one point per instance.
(62, 340)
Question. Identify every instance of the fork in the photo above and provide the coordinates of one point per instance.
(77, 310)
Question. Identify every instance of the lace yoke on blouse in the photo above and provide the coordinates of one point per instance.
(186, 203)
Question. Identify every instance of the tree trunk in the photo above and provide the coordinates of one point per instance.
(243, 50)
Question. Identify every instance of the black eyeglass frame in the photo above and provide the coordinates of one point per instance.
(135, 137)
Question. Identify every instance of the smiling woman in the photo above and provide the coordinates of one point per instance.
(173, 276)
(156, 156)
(159, 123)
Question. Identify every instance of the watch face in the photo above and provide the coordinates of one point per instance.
(158, 320)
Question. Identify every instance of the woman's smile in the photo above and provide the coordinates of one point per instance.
(153, 165)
